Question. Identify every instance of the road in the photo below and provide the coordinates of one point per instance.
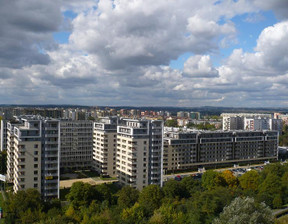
(172, 176)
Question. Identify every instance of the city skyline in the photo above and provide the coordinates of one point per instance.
(143, 53)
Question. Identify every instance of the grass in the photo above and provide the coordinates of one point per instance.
(86, 174)
(108, 178)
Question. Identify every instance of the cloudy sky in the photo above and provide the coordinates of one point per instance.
(144, 52)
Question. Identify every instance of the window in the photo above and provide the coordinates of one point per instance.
(36, 146)
(35, 165)
(35, 178)
(35, 152)
(35, 185)
(35, 159)
(36, 172)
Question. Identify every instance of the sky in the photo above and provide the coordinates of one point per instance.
(144, 52)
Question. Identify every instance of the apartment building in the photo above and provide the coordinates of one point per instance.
(105, 146)
(139, 152)
(235, 121)
(185, 150)
(3, 135)
(33, 149)
(76, 144)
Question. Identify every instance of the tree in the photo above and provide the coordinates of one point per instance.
(82, 194)
(211, 179)
(171, 123)
(230, 179)
(175, 189)
(167, 213)
(135, 214)
(245, 210)
(127, 197)
(150, 197)
(250, 180)
(24, 205)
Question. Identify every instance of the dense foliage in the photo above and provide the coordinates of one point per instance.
(185, 201)
(202, 126)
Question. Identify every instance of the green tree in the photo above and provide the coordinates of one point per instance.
(135, 214)
(150, 197)
(127, 197)
(82, 194)
(212, 179)
(171, 123)
(167, 214)
(24, 205)
(250, 180)
(245, 211)
(175, 189)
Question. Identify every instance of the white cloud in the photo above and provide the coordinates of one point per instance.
(200, 66)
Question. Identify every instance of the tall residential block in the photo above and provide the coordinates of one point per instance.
(105, 145)
(139, 152)
(76, 144)
(33, 149)
(185, 150)
(235, 121)
(3, 135)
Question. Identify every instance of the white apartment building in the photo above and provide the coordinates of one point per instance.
(235, 121)
(105, 146)
(139, 152)
(76, 144)
(33, 149)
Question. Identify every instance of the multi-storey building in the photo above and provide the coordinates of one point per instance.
(185, 150)
(139, 152)
(33, 149)
(235, 121)
(105, 146)
(3, 135)
(76, 144)
(259, 124)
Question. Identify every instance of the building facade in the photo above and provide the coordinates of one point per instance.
(185, 150)
(236, 121)
(105, 146)
(76, 144)
(3, 136)
(139, 152)
(33, 151)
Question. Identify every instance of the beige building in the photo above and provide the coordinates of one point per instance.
(33, 155)
(185, 150)
(139, 152)
(105, 146)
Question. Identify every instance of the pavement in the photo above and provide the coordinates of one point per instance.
(92, 181)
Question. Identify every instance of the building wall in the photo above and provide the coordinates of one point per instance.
(139, 152)
(76, 144)
(184, 151)
(33, 155)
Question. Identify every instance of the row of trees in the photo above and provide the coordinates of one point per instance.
(201, 126)
(186, 201)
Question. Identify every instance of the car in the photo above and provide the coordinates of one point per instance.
(178, 178)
